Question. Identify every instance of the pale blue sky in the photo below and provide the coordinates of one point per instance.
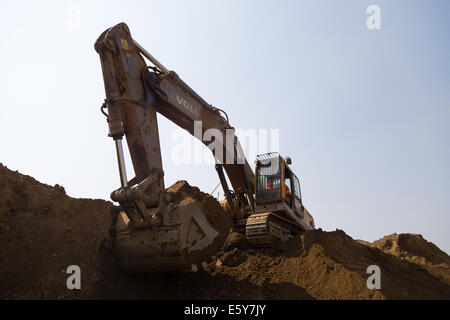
(363, 114)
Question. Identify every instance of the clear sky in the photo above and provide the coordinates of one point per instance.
(364, 114)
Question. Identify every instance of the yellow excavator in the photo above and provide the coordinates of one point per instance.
(181, 228)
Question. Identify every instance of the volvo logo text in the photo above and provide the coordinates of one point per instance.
(188, 106)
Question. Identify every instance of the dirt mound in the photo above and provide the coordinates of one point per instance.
(43, 231)
(219, 219)
(415, 249)
(331, 265)
(412, 246)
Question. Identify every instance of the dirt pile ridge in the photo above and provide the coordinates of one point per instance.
(415, 249)
(43, 231)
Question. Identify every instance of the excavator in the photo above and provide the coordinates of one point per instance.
(181, 228)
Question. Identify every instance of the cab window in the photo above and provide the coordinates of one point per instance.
(268, 182)
(297, 191)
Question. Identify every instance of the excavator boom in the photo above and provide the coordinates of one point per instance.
(135, 92)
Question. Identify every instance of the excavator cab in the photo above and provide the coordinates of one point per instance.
(278, 200)
(275, 182)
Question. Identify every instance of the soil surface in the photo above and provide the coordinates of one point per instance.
(43, 231)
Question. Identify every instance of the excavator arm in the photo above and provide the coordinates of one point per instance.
(135, 92)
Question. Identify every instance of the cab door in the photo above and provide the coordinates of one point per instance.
(297, 195)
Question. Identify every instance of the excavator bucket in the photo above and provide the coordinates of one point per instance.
(193, 230)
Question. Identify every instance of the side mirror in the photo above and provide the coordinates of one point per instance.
(288, 160)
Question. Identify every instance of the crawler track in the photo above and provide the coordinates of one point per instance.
(263, 228)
